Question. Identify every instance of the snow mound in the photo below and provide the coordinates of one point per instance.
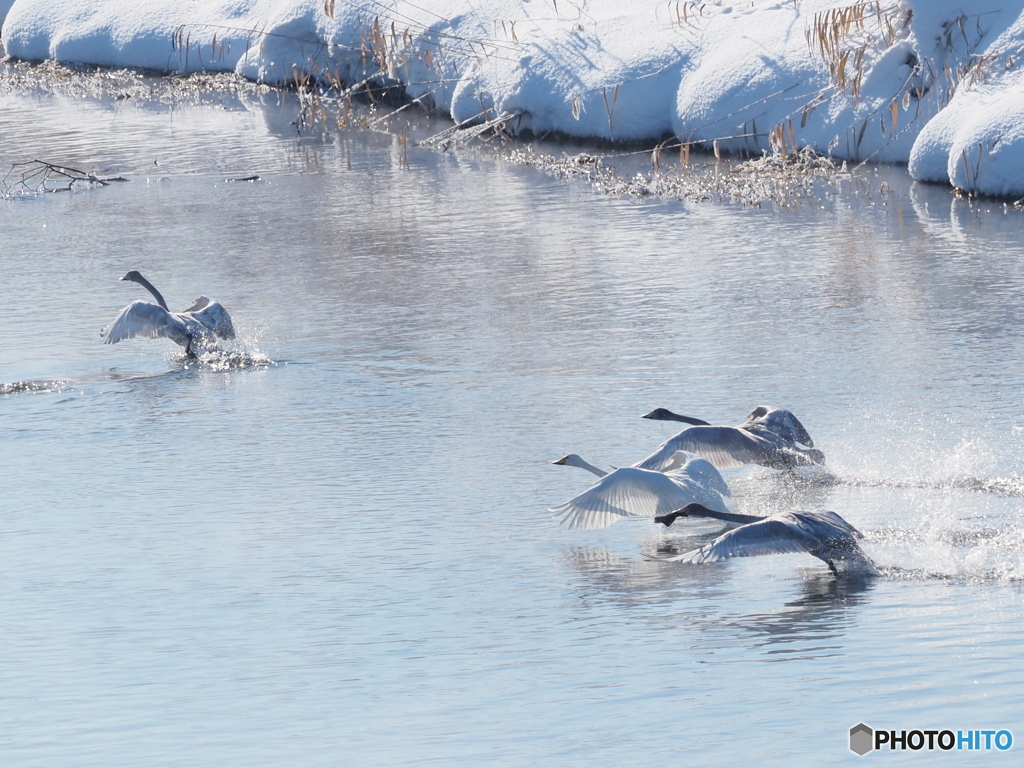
(935, 84)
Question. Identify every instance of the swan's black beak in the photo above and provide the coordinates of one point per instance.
(690, 509)
(670, 518)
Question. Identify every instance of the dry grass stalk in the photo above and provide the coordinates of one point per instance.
(846, 38)
(509, 31)
(978, 69)
(684, 11)
(403, 146)
(610, 109)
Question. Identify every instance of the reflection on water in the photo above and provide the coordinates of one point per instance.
(810, 625)
(814, 624)
(638, 579)
(332, 537)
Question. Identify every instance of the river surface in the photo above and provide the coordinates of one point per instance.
(330, 545)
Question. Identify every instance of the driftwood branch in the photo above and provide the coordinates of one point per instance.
(35, 176)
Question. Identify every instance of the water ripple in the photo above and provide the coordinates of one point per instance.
(38, 385)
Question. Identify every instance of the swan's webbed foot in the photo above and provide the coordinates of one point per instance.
(832, 567)
(668, 519)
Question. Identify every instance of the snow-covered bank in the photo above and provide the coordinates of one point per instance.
(934, 83)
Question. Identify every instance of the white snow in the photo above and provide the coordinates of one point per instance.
(934, 83)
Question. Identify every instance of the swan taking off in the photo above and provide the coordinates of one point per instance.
(770, 437)
(823, 534)
(140, 319)
(634, 492)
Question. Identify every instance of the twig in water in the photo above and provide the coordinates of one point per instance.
(35, 176)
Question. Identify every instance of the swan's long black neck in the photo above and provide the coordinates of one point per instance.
(149, 287)
(664, 414)
(699, 510)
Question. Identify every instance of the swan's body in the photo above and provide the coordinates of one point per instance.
(200, 322)
(635, 492)
(823, 534)
(770, 437)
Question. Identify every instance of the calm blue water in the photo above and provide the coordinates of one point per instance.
(333, 547)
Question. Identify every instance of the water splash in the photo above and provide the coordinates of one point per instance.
(36, 385)
(923, 461)
(230, 360)
(894, 573)
(950, 551)
(1011, 485)
(961, 529)
(244, 352)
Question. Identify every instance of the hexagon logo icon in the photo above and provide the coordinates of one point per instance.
(861, 739)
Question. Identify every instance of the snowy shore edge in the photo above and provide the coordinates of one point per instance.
(936, 85)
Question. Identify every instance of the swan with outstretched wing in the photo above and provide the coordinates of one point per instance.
(637, 492)
(770, 437)
(200, 323)
(823, 534)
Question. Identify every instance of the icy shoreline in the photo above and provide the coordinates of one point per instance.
(935, 85)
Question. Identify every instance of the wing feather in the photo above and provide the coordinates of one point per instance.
(142, 320)
(197, 305)
(783, 423)
(774, 535)
(722, 446)
(633, 492)
(214, 318)
(826, 522)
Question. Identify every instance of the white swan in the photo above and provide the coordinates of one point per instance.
(635, 492)
(823, 534)
(196, 324)
(770, 437)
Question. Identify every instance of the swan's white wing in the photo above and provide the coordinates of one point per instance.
(677, 460)
(828, 524)
(771, 536)
(722, 446)
(704, 473)
(146, 321)
(214, 318)
(629, 492)
(197, 305)
(783, 423)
